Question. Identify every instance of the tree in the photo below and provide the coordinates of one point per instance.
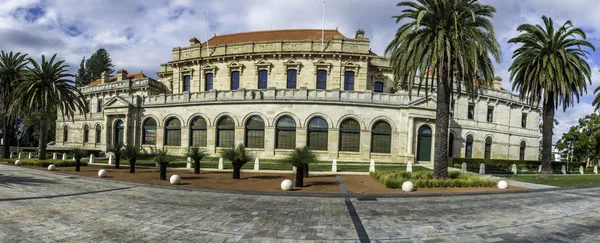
(98, 63)
(301, 158)
(196, 154)
(44, 89)
(238, 157)
(131, 152)
(12, 68)
(118, 152)
(585, 139)
(444, 45)
(163, 160)
(78, 153)
(82, 78)
(550, 68)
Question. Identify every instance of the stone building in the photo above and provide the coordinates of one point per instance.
(277, 90)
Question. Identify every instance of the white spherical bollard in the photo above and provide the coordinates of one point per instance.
(175, 180)
(18, 162)
(502, 185)
(408, 186)
(286, 185)
(102, 173)
(51, 167)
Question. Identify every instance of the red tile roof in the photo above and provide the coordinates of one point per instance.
(273, 35)
(114, 78)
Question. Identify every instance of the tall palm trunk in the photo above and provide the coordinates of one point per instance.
(299, 176)
(197, 167)
(6, 137)
(440, 158)
(132, 165)
(77, 164)
(43, 136)
(117, 161)
(163, 172)
(305, 170)
(547, 126)
(236, 171)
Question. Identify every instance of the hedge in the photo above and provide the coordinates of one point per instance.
(499, 166)
(423, 179)
(45, 163)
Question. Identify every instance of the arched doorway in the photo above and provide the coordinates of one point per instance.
(424, 144)
(119, 133)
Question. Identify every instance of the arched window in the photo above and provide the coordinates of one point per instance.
(226, 132)
(425, 135)
(378, 87)
(235, 80)
(149, 132)
(86, 133)
(469, 147)
(255, 132)
(292, 75)
(65, 134)
(349, 80)
(198, 135)
(119, 133)
(488, 148)
(451, 145)
(263, 76)
(321, 79)
(522, 148)
(317, 134)
(98, 133)
(285, 133)
(209, 82)
(186, 83)
(381, 138)
(173, 132)
(350, 136)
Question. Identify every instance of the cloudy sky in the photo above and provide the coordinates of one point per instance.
(140, 34)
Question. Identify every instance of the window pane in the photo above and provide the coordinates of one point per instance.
(490, 114)
(226, 132)
(452, 108)
(263, 76)
(98, 133)
(286, 133)
(66, 134)
(99, 109)
(173, 132)
(524, 120)
(198, 138)
(291, 78)
(255, 133)
(235, 80)
(378, 87)
(381, 139)
(149, 132)
(471, 111)
(86, 134)
(317, 134)
(349, 80)
(469, 147)
(186, 83)
(321, 79)
(209, 82)
(350, 136)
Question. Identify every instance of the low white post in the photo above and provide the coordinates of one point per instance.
(256, 164)
(220, 163)
(596, 169)
(564, 170)
(294, 168)
(334, 166)
(91, 159)
(20, 155)
(372, 166)
(513, 169)
(540, 169)
(54, 156)
(189, 163)
(73, 158)
(64, 156)
(110, 159)
(482, 169)
(581, 170)
(409, 167)
(463, 167)
(11, 155)
(29, 155)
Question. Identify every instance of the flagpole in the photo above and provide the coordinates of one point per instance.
(206, 32)
(323, 30)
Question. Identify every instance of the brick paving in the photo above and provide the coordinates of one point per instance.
(38, 206)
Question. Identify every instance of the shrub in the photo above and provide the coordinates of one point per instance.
(424, 179)
(45, 163)
(497, 166)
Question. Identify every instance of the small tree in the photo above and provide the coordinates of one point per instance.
(78, 154)
(238, 157)
(301, 158)
(196, 154)
(118, 152)
(163, 159)
(131, 152)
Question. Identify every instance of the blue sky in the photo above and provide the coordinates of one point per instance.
(141, 34)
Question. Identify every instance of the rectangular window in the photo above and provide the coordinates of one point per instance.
(186, 83)
(209, 82)
(89, 106)
(263, 77)
(524, 120)
(452, 103)
(286, 139)
(490, 114)
(199, 138)
(317, 140)
(350, 142)
(255, 138)
(226, 138)
(321, 79)
(349, 80)
(471, 111)
(378, 87)
(99, 108)
(150, 137)
(292, 75)
(173, 138)
(235, 80)
(381, 143)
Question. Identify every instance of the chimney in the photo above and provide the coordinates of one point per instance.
(497, 83)
(121, 75)
(193, 41)
(104, 77)
(360, 34)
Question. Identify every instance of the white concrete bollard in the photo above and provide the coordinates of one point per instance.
(372, 166)
(334, 166)
(73, 158)
(54, 156)
(189, 163)
(220, 163)
(294, 168)
(20, 155)
(463, 167)
(11, 155)
(91, 159)
(29, 155)
(482, 169)
(409, 167)
(110, 159)
(256, 164)
(581, 170)
(596, 169)
(540, 169)
(64, 156)
(513, 169)
(564, 170)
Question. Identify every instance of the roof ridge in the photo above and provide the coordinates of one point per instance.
(280, 30)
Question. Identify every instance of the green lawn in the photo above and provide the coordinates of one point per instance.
(561, 181)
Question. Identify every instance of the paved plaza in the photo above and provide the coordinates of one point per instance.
(39, 206)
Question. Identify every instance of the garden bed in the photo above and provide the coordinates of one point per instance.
(561, 180)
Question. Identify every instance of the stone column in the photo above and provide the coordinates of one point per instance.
(365, 144)
(270, 141)
(185, 139)
(239, 136)
(160, 137)
(333, 147)
(300, 137)
(410, 139)
(211, 139)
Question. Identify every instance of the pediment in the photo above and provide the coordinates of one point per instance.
(117, 102)
(424, 102)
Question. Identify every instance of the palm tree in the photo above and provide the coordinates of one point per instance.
(12, 67)
(196, 154)
(238, 157)
(301, 158)
(131, 152)
(163, 159)
(443, 45)
(78, 154)
(117, 151)
(45, 87)
(550, 68)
